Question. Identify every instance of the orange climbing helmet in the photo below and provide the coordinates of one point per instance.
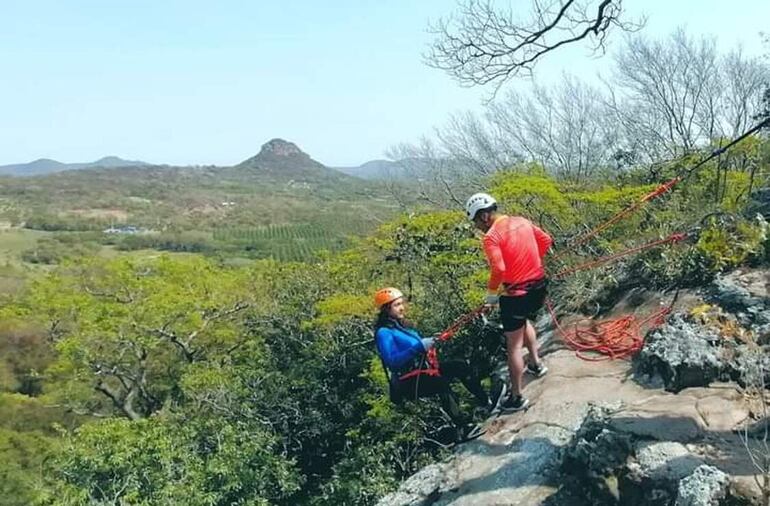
(386, 296)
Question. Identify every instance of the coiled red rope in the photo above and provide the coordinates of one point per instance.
(611, 339)
(615, 338)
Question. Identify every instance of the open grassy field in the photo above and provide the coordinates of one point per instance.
(13, 271)
(13, 241)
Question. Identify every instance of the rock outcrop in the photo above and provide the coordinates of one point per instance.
(745, 294)
(727, 341)
(683, 355)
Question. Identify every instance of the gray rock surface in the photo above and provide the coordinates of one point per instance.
(683, 354)
(706, 486)
(661, 461)
(421, 489)
(652, 476)
(587, 424)
(746, 293)
(751, 366)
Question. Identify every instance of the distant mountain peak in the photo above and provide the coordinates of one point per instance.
(280, 147)
(109, 159)
(280, 154)
(43, 166)
(115, 161)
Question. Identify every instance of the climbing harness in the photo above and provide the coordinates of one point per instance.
(431, 356)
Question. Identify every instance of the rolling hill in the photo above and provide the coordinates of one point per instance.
(281, 184)
(44, 166)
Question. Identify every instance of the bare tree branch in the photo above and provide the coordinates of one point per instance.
(185, 343)
(484, 44)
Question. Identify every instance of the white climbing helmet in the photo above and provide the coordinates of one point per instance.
(477, 202)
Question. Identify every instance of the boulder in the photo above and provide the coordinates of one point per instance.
(421, 489)
(652, 476)
(682, 354)
(706, 486)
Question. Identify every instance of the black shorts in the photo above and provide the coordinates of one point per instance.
(515, 311)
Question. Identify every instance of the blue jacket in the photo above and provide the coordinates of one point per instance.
(398, 346)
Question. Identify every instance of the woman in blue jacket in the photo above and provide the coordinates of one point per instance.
(403, 353)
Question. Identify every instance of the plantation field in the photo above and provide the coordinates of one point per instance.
(23, 249)
(289, 242)
(14, 242)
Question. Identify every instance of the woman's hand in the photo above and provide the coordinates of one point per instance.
(428, 342)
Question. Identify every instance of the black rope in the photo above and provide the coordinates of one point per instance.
(719, 151)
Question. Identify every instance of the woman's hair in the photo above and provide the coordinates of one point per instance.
(383, 318)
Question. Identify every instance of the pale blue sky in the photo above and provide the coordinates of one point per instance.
(193, 82)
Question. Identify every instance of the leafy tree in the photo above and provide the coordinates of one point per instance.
(126, 329)
(22, 455)
(195, 461)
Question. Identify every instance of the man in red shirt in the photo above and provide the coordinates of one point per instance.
(514, 248)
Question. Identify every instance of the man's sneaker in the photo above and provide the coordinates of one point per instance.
(499, 391)
(513, 404)
(538, 370)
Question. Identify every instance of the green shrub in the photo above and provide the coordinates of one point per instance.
(729, 247)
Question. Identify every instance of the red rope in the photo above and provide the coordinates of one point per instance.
(431, 356)
(460, 323)
(619, 338)
(660, 190)
(609, 258)
(614, 338)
